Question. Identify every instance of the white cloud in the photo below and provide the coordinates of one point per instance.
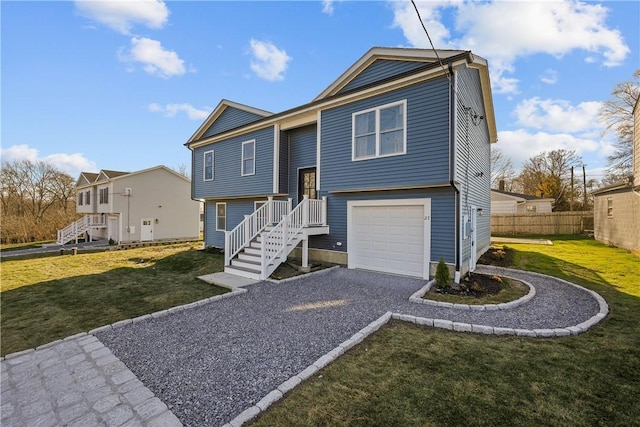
(557, 115)
(171, 110)
(269, 62)
(327, 6)
(520, 145)
(503, 31)
(155, 59)
(71, 164)
(549, 77)
(122, 15)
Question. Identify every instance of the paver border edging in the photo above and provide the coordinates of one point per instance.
(417, 298)
(288, 385)
(120, 323)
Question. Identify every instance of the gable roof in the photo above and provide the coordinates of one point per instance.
(524, 197)
(333, 95)
(109, 175)
(217, 112)
(86, 178)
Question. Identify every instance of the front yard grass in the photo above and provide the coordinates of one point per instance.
(414, 376)
(47, 298)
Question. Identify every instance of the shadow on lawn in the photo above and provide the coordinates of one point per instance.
(40, 313)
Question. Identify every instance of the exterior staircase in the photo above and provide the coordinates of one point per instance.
(258, 245)
(79, 227)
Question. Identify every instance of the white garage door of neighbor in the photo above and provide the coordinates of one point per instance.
(391, 236)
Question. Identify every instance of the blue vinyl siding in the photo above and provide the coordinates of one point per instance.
(284, 163)
(236, 210)
(230, 118)
(227, 180)
(379, 70)
(442, 220)
(428, 134)
(302, 154)
(473, 156)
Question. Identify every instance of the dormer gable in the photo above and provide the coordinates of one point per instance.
(226, 116)
(86, 178)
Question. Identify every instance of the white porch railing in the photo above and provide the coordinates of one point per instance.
(288, 233)
(75, 229)
(267, 214)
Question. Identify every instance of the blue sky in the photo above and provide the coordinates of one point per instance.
(122, 85)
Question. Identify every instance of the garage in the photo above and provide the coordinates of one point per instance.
(390, 236)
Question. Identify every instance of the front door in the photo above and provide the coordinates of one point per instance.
(307, 183)
(146, 230)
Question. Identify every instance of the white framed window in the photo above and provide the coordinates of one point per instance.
(103, 196)
(249, 157)
(380, 131)
(87, 198)
(80, 199)
(221, 216)
(208, 166)
(609, 207)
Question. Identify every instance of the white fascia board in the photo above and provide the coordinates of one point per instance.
(276, 158)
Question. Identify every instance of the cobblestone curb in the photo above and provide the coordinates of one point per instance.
(288, 385)
(300, 276)
(417, 298)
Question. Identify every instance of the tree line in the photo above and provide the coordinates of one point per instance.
(36, 200)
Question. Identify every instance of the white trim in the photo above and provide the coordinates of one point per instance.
(204, 165)
(276, 157)
(242, 172)
(318, 149)
(225, 216)
(425, 202)
(377, 130)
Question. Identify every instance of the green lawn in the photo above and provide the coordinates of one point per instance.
(46, 298)
(405, 375)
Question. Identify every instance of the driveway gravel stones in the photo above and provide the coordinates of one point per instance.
(221, 362)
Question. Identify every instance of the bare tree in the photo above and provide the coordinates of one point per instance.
(501, 170)
(617, 116)
(35, 200)
(183, 170)
(548, 175)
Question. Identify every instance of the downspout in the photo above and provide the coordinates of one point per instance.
(453, 116)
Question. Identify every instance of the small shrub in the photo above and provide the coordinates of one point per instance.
(443, 277)
(111, 241)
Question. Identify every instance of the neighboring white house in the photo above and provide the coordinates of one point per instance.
(151, 204)
(507, 203)
(616, 208)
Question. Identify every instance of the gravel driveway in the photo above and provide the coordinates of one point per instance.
(210, 363)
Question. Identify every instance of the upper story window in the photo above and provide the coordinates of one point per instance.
(249, 157)
(103, 196)
(380, 131)
(208, 165)
(609, 206)
(87, 198)
(80, 199)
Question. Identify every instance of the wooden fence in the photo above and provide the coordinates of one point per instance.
(542, 223)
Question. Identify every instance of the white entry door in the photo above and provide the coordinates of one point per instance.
(146, 229)
(391, 236)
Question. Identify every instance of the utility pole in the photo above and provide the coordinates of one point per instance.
(572, 193)
(584, 183)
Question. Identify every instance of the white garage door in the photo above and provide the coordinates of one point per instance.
(391, 236)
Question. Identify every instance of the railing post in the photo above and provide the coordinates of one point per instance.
(324, 210)
(263, 257)
(270, 210)
(305, 211)
(226, 248)
(289, 205)
(285, 233)
(247, 230)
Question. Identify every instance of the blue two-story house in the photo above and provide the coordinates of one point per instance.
(388, 169)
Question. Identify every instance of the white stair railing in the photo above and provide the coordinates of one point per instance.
(252, 225)
(287, 232)
(72, 230)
